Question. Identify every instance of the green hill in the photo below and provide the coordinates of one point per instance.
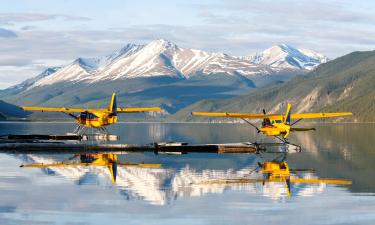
(344, 84)
(170, 93)
(9, 111)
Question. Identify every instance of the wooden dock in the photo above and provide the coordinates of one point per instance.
(55, 144)
(61, 147)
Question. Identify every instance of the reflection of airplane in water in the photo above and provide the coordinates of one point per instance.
(155, 185)
(95, 160)
(277, 171)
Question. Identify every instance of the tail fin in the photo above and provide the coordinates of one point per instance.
(287, 114)
(113, 104)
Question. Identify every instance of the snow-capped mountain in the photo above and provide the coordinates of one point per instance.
(287, 57)
(158, 58)
(79, 70)
(163, 58)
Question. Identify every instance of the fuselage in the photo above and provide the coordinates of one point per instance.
(97, 119)
(275, 128)
(276, 170)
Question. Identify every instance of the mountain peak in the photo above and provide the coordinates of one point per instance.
(161, 44)
(281, 49)
(284, 56)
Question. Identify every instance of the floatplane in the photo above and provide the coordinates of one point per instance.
(94, 118)
(276, 125)
(278, 171)
(93, 160)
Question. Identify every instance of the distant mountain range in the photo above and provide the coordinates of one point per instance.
(344, 84)
(163, 58)
(162, 74)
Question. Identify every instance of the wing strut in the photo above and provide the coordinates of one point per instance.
(251, 124)
(72, 115)
(295, 122)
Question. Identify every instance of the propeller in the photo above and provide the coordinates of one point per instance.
(83, 116)
(266, 121)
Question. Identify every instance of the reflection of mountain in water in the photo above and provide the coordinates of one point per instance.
(189, 183)
(340, 150)
(162, 185)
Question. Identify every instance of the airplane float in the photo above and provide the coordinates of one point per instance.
(94, 118)
(276, 125)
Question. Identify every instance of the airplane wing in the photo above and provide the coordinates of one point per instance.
(292, 180)
(50, 109)
(238, 115)
(79, 164)
(321, 180)
(319, 115)
(150, 165)
(272, 116)
(137, 110)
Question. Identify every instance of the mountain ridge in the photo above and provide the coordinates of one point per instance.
(344, 84)
(163, 58)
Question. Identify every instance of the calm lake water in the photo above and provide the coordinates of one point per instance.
(193, 188)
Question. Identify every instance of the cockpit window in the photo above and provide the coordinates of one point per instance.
(92, 116)
(86, 115)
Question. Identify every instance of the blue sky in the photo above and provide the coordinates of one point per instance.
(35, 34)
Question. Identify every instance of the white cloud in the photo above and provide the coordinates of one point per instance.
(13, 18)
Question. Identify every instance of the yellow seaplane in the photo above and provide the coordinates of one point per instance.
(279, 172)
(94, 160)
(94, 118)
(277, 125)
